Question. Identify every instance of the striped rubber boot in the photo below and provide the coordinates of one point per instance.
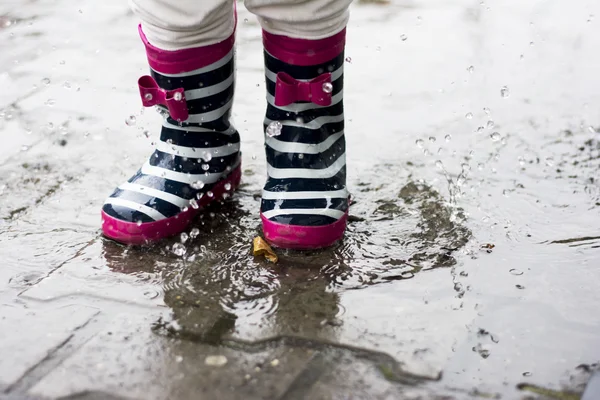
(197, 159)
(305, 201)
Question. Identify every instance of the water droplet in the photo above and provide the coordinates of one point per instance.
(471, 69)
(349, 60)
(448, 138)
(550, 161)
(469, 116)
(591, 129)
(184, 237)
(50, 126)
(531, 44)
(205, 167)
(527, 374)
(439, 164)
(215, 361)
(245, 20)
(403, 37)
(178, 96)
(207, 156)
(327, 87)
(178, 249)
(210, 194)
(480, 129)
(480, 166)
(148, 96)
(197, 185)
(432, 139)
(194, 233)
(178, 359)
(504, 92)
(490, 124)
(147, 134)
(274, 129)
(24, 148)
(419, 143)
(300, 156)
(130, 121)
(50, 102)
(228, 186)
(516, 272)
(62, 62)
(495, 136)
(67, 85)
(520, 287)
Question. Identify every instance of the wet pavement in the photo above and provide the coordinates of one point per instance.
(471, 264)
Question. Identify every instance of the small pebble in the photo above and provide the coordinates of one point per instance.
(275, 363)
(215, 361)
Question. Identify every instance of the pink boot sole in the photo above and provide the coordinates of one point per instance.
(133, 233)
(303, 237)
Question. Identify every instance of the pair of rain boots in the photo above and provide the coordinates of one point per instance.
(198, 160)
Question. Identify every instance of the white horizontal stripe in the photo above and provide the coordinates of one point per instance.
(151, 212)
(331, 194)
(316, 123)
(337, 214)
(197, 152)
(159, 194)
(208, 68)
(211, 115)
(304, 148)
(209, 90)
(183, 177)
(166, 124)
(299, 107)
(286, 173)
(272, 76)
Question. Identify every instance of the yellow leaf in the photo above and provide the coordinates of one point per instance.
(262, 248)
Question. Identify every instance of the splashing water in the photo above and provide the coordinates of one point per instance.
(131, 120)
(197, 185)
(179, 249)
(274, 129)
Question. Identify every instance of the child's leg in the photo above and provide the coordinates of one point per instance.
(181, 24)
(303, 19)
(189, 46)
(305, 201)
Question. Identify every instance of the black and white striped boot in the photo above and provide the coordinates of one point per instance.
(197, 159)
(305, 200)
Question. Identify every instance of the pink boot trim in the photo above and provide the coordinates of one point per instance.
(303, 237)
(304, 52)
(132, 233)
(185, 60)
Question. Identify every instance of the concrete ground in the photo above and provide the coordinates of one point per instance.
(470, 268)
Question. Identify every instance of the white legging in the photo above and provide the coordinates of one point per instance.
(180, 24)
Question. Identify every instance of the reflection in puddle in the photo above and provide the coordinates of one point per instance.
(219, 285)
